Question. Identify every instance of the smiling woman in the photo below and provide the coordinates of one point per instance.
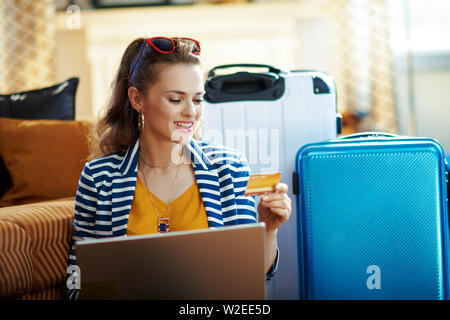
(149, 172)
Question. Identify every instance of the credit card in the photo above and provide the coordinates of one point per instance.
(261, 183)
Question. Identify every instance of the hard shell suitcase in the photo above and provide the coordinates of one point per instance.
(268, 115)
(447, 162)
(373, 220)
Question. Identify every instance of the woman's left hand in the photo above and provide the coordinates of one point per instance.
(274, 208)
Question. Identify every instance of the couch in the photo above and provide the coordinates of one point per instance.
(44, 159)
(35, 240)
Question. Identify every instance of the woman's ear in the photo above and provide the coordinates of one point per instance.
(135, 98)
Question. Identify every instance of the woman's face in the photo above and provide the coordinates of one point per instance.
(173, 106)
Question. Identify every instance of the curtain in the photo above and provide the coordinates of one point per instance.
(363, 63)
(27, 45)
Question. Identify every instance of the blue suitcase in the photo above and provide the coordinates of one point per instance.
(373, 220)
(447, 162)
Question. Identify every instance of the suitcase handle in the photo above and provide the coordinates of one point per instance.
(242, 82)
(369, 134)
(243, 85)
(212, 73)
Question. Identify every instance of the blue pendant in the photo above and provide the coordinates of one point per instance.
(163, 225)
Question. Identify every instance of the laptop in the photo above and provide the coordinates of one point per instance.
(223, 263)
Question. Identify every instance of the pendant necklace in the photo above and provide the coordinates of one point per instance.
(163, 221)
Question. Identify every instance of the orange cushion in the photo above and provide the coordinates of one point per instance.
(44, 158)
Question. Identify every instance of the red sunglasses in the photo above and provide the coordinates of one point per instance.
(163, 45)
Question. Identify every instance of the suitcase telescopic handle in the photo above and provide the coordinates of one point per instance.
(272, 69)
(369, 134)
(242, 83)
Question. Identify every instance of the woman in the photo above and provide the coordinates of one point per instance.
(152, 175)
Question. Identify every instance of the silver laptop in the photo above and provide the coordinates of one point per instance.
(223, 263)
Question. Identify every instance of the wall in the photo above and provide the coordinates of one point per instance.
(282, 33)
(423, 99)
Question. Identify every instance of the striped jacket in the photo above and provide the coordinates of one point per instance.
(107, 184)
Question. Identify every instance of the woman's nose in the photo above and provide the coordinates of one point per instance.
(189, 109)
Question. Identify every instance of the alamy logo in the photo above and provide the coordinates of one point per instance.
(73, 21)
(374, 280)
(73, 281)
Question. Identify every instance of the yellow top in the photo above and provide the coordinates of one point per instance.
(187, 212)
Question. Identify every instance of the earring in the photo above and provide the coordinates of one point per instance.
(141, 123)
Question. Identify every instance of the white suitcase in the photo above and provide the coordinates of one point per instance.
(268, 116)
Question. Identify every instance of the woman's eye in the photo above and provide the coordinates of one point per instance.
(177, 101)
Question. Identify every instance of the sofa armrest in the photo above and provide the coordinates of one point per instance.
(35, 240)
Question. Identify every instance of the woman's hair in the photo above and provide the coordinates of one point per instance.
(116, 130)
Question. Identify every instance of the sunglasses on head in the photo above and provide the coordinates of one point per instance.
(165, 46)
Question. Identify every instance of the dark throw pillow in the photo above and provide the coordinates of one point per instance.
(55, 103)
(5, 178)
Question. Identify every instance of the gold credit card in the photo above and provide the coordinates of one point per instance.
(262, 183)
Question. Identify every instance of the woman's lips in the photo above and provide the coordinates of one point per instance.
(186, 126)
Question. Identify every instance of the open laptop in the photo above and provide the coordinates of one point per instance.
(223, 263)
